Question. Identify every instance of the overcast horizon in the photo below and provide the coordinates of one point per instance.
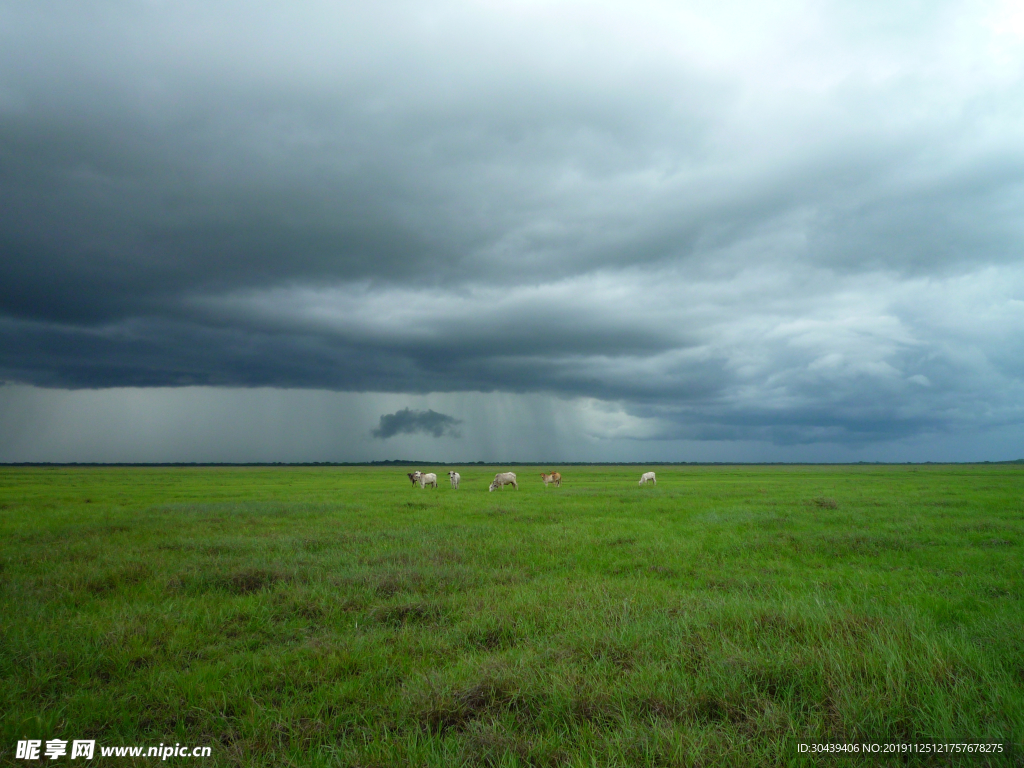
(511, 231)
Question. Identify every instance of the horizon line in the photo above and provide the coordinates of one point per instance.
(407, 462)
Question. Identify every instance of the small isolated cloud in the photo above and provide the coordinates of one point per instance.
(409, 422)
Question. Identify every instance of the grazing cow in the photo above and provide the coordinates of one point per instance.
(414, 476)
(502, 479)
(454, 477)
(648, 476)
(553, 477)
(428, 479)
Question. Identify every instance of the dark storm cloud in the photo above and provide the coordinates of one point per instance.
(407, 422)
(796, 226)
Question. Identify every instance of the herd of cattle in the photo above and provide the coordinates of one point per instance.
(502, 479)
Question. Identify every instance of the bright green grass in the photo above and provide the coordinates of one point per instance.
(338, 616)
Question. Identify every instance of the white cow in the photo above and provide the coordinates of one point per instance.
(454, 477)
(648, 476)
(553, 477)
(428, 479)
(502, 479)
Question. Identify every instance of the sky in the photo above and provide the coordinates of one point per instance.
(511, 231)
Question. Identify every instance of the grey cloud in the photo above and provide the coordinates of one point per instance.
(408, 422)
(608, 205)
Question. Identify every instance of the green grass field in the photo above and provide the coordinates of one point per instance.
(338, 616)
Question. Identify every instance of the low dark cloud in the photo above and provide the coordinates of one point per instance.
(408, 422)
(741, 225)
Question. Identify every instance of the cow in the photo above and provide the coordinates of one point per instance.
(553, 477)
(414, 476)
(428, 479)
(502, 479)
(454, 477)
(648, 476)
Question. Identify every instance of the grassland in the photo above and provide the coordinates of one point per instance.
(337, 616)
